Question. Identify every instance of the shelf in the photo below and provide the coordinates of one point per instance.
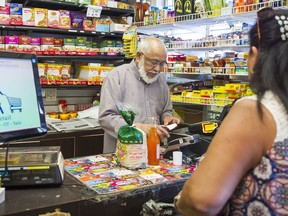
(56, 5)
(244, 14)
(62, 31)
(202, 101)
(212, 74)
(206, 45)
(61, 86)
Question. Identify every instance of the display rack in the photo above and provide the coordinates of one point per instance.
(56, 5)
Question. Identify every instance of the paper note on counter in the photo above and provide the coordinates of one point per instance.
(75, 124)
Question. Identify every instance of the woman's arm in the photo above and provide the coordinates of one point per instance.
(238, 146)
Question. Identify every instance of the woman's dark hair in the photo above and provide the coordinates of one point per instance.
(270, 72)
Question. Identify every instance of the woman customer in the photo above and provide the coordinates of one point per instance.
(245, 170)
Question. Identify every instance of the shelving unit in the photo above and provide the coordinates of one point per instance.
(55, 5)
(76, 92)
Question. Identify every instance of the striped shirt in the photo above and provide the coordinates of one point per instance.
(124, 86)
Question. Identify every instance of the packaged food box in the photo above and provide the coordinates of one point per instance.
(69, 44)
(16, 14)
(77, 20)
(88, 24)
(80, 41)
(35, 44)
(4, 14)
(11, 43)
(118, 24)
(91, 73)
(47, 43)
(2, 41)
(24, 44)
(53, 18)
(28, 16)
(99, 2)
(58, 44)
(64, 19)
(107, 43)
(65, 72)
(233, 87)
(42, 69)
(54, 72)
(103, 25)
(41, 17)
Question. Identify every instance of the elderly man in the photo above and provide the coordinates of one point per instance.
(140, 85)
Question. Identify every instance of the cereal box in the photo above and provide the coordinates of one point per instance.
(41, 19)
(4, 14)
(53, 18)
(28, 17)
(64, 19)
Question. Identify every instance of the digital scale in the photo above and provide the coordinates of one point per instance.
(30, 166)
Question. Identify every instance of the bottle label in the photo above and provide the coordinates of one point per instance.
(158, 151)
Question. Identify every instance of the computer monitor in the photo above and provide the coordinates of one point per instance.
(21, 106)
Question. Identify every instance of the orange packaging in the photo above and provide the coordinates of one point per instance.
(153, 144)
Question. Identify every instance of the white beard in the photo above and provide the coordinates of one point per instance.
(143, 73)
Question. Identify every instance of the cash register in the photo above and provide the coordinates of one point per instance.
(22, 116)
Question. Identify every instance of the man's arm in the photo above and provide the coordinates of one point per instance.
(109, 117)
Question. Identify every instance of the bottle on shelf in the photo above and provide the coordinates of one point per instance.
(153, 143)
(138, 11)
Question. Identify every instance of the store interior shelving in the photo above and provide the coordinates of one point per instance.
(56, 5)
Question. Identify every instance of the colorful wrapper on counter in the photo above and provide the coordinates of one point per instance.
(131, 149)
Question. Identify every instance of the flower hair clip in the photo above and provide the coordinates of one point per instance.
(283, 23)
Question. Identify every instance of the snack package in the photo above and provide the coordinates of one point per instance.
(131, 150)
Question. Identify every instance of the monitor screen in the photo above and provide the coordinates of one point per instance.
(21, 106)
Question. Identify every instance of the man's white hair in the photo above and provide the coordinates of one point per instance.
(148, 43)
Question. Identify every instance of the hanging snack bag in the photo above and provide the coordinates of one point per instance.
(131, 149)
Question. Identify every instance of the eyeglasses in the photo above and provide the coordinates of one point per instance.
(258, 22)
(155, 62)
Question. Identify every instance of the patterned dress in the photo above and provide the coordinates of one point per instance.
(264, 189)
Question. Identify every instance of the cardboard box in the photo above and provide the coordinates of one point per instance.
(118, 24)
(16, 14)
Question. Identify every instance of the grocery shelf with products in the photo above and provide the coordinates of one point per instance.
(208, 55)
(74, 51)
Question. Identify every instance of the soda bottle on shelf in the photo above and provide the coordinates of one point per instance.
(153, 143)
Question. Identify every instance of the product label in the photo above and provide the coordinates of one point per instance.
(158, 151)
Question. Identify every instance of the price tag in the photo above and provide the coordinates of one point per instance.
(93, 11)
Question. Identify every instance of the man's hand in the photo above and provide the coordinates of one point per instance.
(170, 119)
(162, 132)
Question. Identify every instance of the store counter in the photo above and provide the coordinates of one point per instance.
(79, 195)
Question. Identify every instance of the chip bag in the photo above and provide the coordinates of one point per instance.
(131, 150)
